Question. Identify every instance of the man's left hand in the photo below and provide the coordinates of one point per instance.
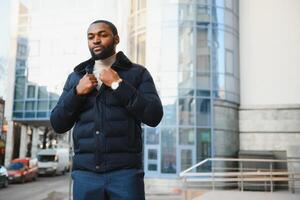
(108, 76)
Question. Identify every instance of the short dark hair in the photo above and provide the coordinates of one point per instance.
(111, 25)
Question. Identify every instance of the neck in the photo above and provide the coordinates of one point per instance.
(107, 61)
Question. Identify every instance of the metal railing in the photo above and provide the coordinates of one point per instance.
(245, 173)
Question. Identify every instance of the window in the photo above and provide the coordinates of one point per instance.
(229, 66)
(170, 107)
(203, 112)
(133, 6)
(203, 148)
(42, 93)
(42, 105)
(186, 136)
(229, 4)
(141, 49)
(30, 105)
(203, 63)
(168, 150)
(20, 63)
(18, 106)
(142, 4)
(202, 37)
(152, 154)
(152, 135)
(52, 104)
(187, 111)
(30, 91)
(20, 87)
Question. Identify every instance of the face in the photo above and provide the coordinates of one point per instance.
(101, 41)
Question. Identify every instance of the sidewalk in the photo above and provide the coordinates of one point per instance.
(238, 195)
(64, 196)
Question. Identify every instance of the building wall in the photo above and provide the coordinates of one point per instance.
(269, 52)
(269, 65)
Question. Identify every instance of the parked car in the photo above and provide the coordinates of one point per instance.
(53, 161)
(22, 170)
(3, 177)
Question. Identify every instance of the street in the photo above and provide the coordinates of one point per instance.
(38, 190)
(53, 188)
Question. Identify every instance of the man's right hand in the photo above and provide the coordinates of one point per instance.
(86, 84)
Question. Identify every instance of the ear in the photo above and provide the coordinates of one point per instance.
(116, 39)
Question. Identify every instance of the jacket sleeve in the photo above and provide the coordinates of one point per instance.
(65, 113)
(142, 102)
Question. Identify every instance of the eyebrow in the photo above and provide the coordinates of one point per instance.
(97, 32)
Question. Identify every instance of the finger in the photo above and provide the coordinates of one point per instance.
(92, 78)
(94, 82)
(90, 75)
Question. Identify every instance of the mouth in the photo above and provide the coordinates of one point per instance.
(98, 49)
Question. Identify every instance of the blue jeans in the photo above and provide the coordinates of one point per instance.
(117, 185)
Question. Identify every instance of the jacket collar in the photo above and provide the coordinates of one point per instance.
(121, 63)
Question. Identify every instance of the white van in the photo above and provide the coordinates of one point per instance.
(53, 161)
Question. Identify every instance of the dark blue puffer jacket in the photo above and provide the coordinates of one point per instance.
(107, 131)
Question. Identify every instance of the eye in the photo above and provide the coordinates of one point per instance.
(104, 35)
(90, 37)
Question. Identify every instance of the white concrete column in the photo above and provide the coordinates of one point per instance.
(9, 142)
(35, 140)
(23, 141)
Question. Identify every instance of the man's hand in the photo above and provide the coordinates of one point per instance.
(108, 76)
(86, 84)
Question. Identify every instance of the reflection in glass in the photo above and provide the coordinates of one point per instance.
(186, 159)
(186, 44)
(168, 150)
(203, 148)
(152, 154)
(42, 93)
(141, 49)
(18, 105)
(186, 136)
(203, 112)
(203, 63)
(30, 91)
(203, 83)
(29, 114)
(19, 87)
(187, 111)
(152, 167)
(186, 79)
(30, 105)
(152, 135)
(52, 104)
(170, 111)
(42, 105)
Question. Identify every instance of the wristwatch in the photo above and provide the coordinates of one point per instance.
(116, 84)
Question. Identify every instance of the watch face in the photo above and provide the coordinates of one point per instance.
(114, 85)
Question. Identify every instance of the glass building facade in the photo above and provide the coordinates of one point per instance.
(191, 48)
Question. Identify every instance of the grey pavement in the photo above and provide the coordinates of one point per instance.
(57, 188)
(238, 195)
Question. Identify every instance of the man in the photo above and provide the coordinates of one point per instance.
(107, 98)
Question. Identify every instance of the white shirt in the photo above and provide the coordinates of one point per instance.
(100, 65)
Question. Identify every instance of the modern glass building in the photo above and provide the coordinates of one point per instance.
(192, 50)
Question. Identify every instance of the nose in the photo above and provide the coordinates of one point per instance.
(97, 40)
